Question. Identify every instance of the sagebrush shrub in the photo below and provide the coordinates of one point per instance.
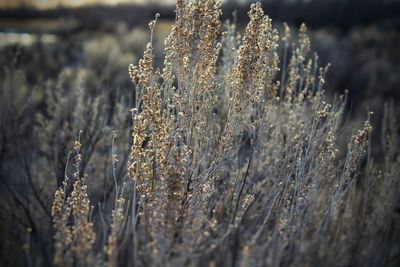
(233, 161)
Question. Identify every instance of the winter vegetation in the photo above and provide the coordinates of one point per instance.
(224, 150)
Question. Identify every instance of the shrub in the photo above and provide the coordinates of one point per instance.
(232, 159)
(234, 165)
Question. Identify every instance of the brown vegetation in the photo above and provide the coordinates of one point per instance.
(229, 157)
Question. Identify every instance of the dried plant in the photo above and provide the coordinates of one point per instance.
(232, 158)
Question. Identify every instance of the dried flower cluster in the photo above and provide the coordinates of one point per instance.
(73, 242)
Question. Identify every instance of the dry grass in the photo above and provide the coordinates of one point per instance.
(234, 159)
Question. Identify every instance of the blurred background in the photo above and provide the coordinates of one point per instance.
(64, 68)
